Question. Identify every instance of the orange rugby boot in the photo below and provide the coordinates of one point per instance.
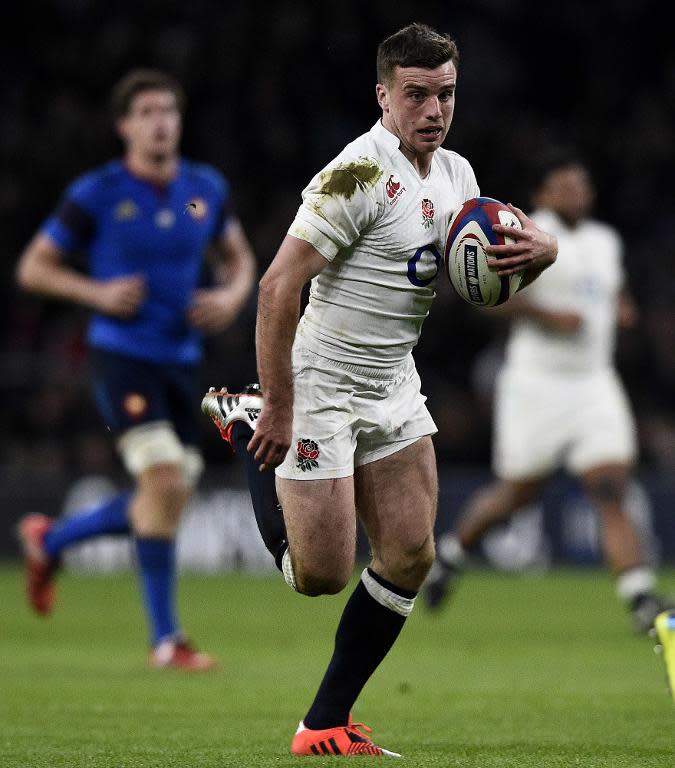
(345, 740)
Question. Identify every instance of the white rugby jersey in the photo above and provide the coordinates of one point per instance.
(382, 229)
(586, 278)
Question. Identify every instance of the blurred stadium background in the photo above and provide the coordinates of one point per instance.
(274, 92)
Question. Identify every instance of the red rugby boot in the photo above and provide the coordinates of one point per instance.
(38, 566)
(180, 654)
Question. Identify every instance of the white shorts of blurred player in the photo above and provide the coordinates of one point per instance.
(347, 415)
(547, 421)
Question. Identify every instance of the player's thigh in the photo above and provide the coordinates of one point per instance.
(530, 428)
(323, 440)
(127, 392)
(320, 520)
(396, 499)
(183, 394)
(149, 410)
(606, 484)
(604, 432)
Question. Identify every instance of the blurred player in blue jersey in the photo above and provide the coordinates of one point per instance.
(147, 224)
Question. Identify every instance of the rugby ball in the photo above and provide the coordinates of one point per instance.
(465, 258)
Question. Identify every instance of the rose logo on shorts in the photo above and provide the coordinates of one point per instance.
(427, 213)
(308, 453)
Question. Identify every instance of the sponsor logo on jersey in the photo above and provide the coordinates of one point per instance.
(135, 405)
(394, 189)
(427, 213)
(308, 454)
(198, 208)
(125, 210)
(165, 218)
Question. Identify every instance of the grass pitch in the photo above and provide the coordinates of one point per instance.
(517, 671)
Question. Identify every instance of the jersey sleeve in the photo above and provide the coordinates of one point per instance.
(620, 258)
(471, 188)
(72, 224)
(337, 205)
(223, 194)
(210, 183)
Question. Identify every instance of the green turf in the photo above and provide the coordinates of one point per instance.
(518, 671)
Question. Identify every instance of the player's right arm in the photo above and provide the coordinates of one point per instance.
(41, 269)
(280, 291)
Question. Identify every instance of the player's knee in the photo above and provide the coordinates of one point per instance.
(606, 491)
(412, 562)
(512, 496)
(318, 582)
(423, 561)
(168, 481)
(165, 486)
(193, 467)
(311, 586)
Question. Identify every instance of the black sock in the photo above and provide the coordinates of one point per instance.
(366, 632)
(640, 599)
(268, 512)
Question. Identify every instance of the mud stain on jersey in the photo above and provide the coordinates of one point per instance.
(343, 180)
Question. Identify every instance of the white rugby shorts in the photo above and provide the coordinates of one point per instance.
(345, 415)
(552, 420)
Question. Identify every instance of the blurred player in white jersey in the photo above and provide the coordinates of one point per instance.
(559, 401)
(344, 422)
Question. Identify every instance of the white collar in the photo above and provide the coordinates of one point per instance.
(385, 136)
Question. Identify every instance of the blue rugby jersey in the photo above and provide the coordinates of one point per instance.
(125, 225)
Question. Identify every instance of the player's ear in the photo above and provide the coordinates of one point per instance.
(382, 96)
(121, 128)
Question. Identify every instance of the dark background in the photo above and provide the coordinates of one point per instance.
(274, 92)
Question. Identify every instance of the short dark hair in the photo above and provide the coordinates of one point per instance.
(139, 80)
(416, 45)
(550, 159)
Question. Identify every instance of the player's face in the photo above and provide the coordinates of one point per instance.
(569, 192)
(152, 127)
(417, 106)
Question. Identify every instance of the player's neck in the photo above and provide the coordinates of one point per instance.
(156, 170)
(421, 163)
(424, 166)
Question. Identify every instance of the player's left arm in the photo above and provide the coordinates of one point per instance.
(531, 251)
(214, 309)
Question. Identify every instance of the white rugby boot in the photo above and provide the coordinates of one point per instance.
(224, 408)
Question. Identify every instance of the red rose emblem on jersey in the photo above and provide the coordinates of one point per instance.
(308, 453)
(427, 212)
